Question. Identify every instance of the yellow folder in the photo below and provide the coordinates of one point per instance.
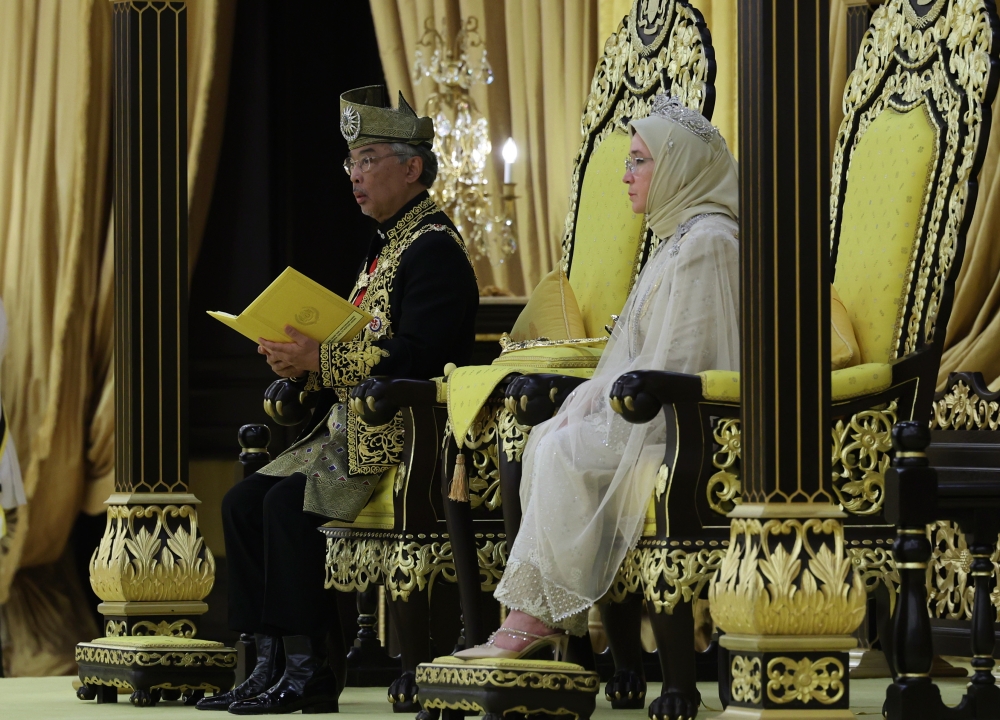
(293, 299)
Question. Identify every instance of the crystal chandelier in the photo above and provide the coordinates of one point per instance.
(462, 140)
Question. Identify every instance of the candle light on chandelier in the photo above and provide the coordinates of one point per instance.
(509, 156)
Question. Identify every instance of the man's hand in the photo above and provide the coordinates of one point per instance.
(291, 359)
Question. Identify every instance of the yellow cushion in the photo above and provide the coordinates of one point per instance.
(649, 525)
(608, 237)
(551, 312)
(859, 380)
(724, 386)
(561, 357)
(843, 345)
(720, 385)
(378, 513)
(886, 188)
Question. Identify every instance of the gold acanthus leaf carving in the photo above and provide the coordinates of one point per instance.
(513, 434)
(774, 581)
(152, 553)
(673, 576)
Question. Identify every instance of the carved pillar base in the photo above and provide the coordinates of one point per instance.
(788, 597)
(788, 676)
(152, 570)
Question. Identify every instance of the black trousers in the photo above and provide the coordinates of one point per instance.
(275, 556)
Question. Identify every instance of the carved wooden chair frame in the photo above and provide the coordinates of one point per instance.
(906, 59)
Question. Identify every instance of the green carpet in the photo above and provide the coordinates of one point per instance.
(53, 698)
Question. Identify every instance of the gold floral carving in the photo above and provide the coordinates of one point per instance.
(113, 682)
(902, 63)
(179, 628)
(861, 457)
(152, 553)
(671, 576)
(962, 409)
(950, 590)
(500, 678)
(677, 53)
(875, 565)
(439, 704)
(774, 580)
(724, 486)
(514, 435)
(115, 629)
(145, 658)
(805, 680)
(403, 566)
(482, 440)
(628, 579)
(746, 679)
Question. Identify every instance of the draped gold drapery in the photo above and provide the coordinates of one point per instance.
(543, 56)
(56, 271)
(973, 336)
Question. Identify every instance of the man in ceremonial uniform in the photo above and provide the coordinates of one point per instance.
(418, 284)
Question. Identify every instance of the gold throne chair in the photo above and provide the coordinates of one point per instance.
(903, 190)
(605, 246)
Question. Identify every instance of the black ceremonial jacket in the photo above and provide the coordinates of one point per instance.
(423, 297)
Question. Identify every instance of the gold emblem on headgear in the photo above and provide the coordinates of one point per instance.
(366, 118)
(350, 124)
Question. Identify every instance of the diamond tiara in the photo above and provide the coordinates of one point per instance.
(671, 108)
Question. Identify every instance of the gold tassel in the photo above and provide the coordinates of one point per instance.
(459, 491)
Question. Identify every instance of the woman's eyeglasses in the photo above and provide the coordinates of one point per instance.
(631, 163)
(365, 163)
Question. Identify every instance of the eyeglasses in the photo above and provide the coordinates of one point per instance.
(631, 163)
(365, 163)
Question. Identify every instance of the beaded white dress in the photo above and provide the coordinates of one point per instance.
(588, 475)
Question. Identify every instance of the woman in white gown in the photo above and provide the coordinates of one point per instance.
(588, 475)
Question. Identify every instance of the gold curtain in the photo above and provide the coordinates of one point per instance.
(56, 270)
(973, 334)
(543, 55)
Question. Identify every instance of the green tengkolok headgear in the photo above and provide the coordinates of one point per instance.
(366, 118)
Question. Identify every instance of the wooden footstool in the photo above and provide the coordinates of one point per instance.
(499, 687)
(154, 667)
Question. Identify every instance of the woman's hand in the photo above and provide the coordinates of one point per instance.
(291, 359)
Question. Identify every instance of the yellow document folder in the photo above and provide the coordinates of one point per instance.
(293, 299)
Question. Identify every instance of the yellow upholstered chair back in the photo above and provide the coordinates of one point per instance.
(905, 163)
(605, 244)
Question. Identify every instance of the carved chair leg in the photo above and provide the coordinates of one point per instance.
(510, 491)
(458, 517)
(883, 623)
(983, 689)
(623, 625)
(410, 618)
(674, 634)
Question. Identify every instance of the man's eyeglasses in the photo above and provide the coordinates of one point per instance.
(365, 163)
(631, 163)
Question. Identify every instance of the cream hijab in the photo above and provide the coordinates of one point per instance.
(694, 172)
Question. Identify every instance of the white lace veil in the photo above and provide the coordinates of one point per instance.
(588, 475)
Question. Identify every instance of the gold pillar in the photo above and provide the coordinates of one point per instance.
(786, 594)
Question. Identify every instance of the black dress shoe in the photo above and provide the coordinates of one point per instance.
(308, 684)
(270, 666)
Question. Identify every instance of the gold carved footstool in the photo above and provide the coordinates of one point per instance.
(154, 667)
(498, 688)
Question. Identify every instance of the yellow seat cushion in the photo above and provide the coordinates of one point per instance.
(859, 380)
(608, 237)
(843, 344)
(378, 513)
(551, 312)
(724, 386)
(879, 232)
